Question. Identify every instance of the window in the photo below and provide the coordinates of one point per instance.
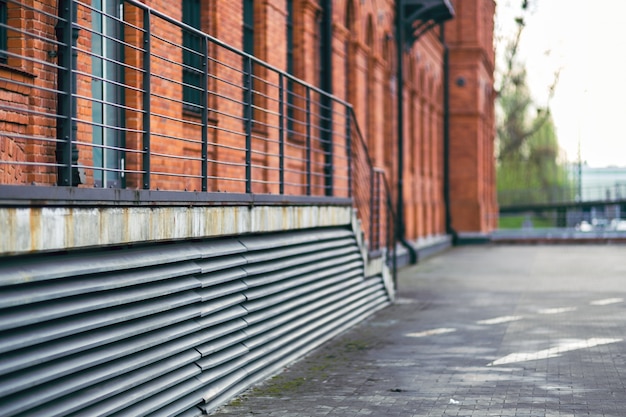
(107, 108)
(193, 55)
(248, 26)
(3, 32)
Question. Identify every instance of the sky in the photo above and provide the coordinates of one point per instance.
(586, 40)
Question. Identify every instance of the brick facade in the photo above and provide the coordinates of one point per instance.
(363, 74)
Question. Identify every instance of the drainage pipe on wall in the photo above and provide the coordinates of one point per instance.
(446, 135)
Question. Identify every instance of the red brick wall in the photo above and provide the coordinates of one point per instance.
(365, 40)
(470, 36)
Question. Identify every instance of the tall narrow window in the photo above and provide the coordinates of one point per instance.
(248, 26)
(193, 56)
(107, 108)
(3, 32)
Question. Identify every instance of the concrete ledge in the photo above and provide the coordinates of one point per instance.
(424, 247)
(36, 229)
(473, 238)
(430, 246)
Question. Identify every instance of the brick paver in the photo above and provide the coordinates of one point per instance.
(477, 331)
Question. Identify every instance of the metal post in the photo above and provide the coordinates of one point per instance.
(400, 123)
(281, 133)
(372, 209)
(308, 141)
(205, 113)
(146, 99)
(349, 150)
(446, 134)
(326, 101)
(247, 115)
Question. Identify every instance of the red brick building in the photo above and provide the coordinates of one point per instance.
(194, 193)
(292, 36)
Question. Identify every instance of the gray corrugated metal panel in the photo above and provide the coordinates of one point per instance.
(66, 346)
(140, 399)
(297, 278)
(282, 274)
(179, 337)
(260, 242)
(183, 406)
(294, 262)
(302, 305)
(297, 251)
(217, 387)
(282, 302)
(296, 323)
(217, 248)
(265, 354)
(218, 264)
(23, 270)
(50, 290)
(89, 387)
(39, 312)
(115, 390)
(217, 291)
(219, 343)
(213, 318)
(222, 356)
(215, 373)
(270, 364)
(223, 371)
(283, 359)
(116, 358)
(219, 277)
(64, 327)
(213, 306)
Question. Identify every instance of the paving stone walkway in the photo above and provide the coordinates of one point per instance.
(477, 331)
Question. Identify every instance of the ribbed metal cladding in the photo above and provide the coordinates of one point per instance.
(175, 329)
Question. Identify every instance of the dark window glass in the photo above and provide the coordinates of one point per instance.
(3, 32)
(193, 55)
(248, 27)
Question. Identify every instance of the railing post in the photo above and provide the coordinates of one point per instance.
(205, 113)
(146, 99)
(247, 115)
(372, 208)
(67, 152)
(308, 141)
(281, 133)
(349, 150)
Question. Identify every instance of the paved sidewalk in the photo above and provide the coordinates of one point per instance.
(476, 331)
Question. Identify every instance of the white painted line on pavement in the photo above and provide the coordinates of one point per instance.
(553, 351)
(606, 301)
(499, 320)
(432, 332)
(556, 310)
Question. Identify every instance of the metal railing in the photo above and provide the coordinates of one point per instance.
(567, 194)
(103, 102)
(372, 195)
